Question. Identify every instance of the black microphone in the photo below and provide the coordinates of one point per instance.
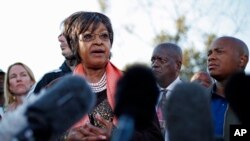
(51, 113)
(136, 97)
(188, 115)
(236, 92)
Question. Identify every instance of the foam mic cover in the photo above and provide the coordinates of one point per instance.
(188, 114)
(137, 94)
(236, 92)
(62, 105)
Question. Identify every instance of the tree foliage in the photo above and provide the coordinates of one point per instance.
(188, 17)
(193, 60)
(103, 5)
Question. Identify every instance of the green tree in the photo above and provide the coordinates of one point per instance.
(184, 25)
(193, 60)
(104, 5)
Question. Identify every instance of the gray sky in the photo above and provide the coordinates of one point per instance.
(29, 28)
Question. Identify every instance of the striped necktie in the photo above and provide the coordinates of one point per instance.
(163, 98)
(160, 110)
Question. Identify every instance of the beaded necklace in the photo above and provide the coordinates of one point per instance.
(99, 86)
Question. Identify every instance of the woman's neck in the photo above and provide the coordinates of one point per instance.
(94, 75)
(19, 100)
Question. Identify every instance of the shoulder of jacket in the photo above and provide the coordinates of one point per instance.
(55, 71)
(51, 73)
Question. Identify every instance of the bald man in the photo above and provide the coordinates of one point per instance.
(226, 56)
(166, 62)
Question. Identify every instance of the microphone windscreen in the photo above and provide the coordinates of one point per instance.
(236, 92)
(188, 114)
(61, 105)
(137, 94)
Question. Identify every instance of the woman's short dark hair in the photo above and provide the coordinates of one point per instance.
(79, 22)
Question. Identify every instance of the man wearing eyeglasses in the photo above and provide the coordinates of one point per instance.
(166, 62)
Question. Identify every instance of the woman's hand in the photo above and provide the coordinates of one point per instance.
(89, 132)
(108, 126)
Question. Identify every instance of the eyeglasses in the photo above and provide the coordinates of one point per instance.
(159, 59)
(87, 37)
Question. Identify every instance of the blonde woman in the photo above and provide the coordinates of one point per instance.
(19, 80)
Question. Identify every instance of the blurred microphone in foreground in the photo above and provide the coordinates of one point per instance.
(46, 116)
(136, 97)
(188, 115)
(237, 94)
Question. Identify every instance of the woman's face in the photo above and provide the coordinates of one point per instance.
(19, 80)
(94, 47)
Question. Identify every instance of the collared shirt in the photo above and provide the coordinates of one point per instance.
(160, 114)
(169, 88)
(219, 106)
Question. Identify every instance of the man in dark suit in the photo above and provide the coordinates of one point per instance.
(166, 65)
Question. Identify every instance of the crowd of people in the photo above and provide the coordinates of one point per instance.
(200, 105)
